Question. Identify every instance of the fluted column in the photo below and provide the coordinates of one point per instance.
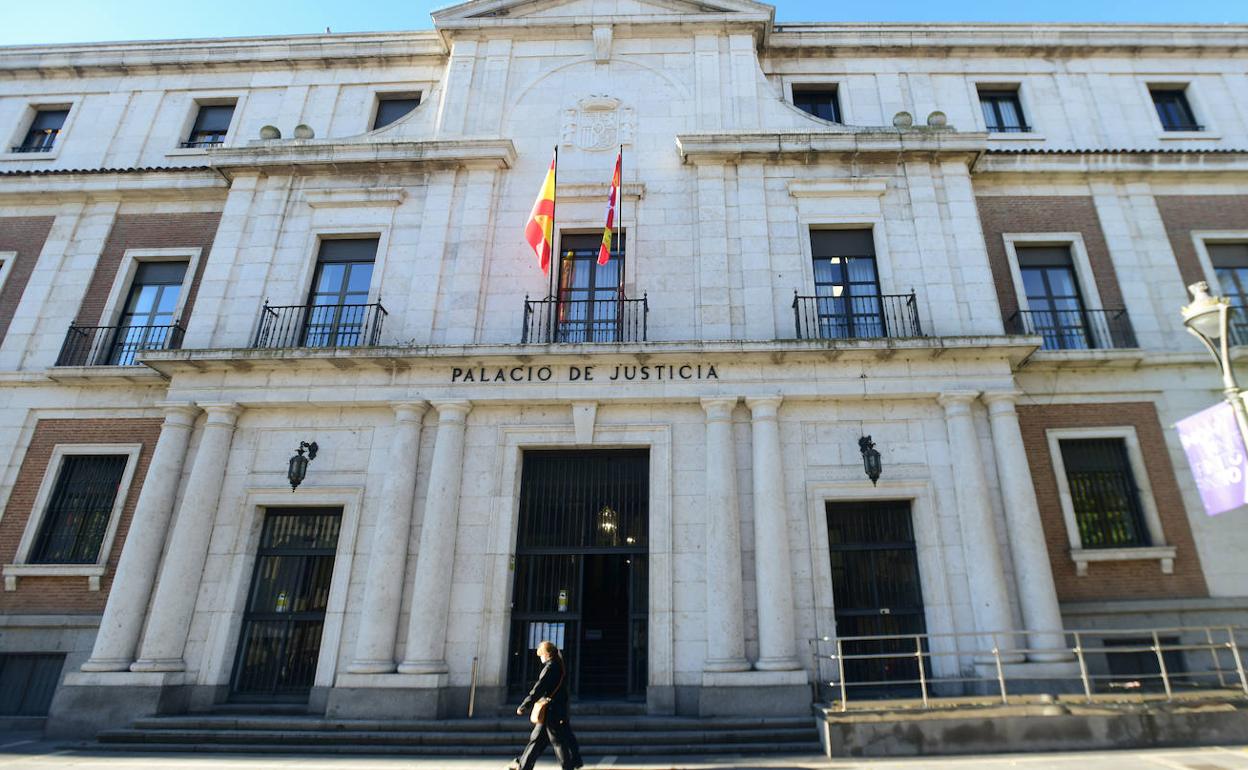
(431, 593)
(387, 560)
(183, 566)
(725, 614)
(1033, 574)
(122, 623)
(990, 603)
(773, 572)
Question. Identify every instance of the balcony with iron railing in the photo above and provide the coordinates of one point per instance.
(554, 321)
(872, 316)
(319, 326)
(115, 345)
(1081, 329)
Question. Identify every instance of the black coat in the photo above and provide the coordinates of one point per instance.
(551, 683)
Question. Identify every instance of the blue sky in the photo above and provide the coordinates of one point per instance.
(68, 21)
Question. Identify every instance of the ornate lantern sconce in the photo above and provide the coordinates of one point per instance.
(298, 467)
(870, 458)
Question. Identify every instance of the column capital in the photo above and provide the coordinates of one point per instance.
(452, 411)
(1001, 401)
(764, 407)
(179, 414)
(221, 412)
(957, 402)
(409, 411)
(719, 408)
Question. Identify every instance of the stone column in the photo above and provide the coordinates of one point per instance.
(777, 630)
(118, 637)
(990, 602)
(431, 592)
(725, 615)
(1033, 574)
(183, 566)
(387, 561)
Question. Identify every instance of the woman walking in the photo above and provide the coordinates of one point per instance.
(549, 700)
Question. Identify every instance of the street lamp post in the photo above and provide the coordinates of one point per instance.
(1208, 320)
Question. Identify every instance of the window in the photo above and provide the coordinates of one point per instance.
(391, 107)
(1173, 108)
(1103, 493)
(27, 683)
(338, 309)
(147, 321)
(847, 286)
(820, 101)
(1055, 308)
(212, 123)
(590, 295)
(1003, 112)
(1230, 263)
(45, 127)
(79, 510)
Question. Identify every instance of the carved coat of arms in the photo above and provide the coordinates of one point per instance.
(598, 123)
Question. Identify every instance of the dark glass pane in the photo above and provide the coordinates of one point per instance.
(822, 103)
(213, 118)
(78, 511)
(49, 120)
(1002, 110)
(347, 250)
(1174, 110)
(391, 109)
(842, 243)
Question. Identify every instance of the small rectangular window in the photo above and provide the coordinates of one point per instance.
(46, 126)
(1173, 109)
(28, 682)
(1230, 263)
(820, 101)
(78, 512)
(212, 123)
(1003, 112)
(1103, 493)
(392, 107)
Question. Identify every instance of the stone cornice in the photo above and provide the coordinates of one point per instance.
(1111, 162)
(315, 155)
(719, 147)
(285, 52)
(112, 184)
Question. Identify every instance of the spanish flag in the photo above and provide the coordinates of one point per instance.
(540, 228)
(604, 251)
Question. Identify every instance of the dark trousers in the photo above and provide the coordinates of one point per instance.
(556, 733)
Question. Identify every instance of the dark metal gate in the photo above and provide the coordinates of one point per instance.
(876, 589)
(581, 576)
(281, 635)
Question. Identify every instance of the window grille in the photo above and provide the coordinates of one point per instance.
(78, 512)
(1104, 493)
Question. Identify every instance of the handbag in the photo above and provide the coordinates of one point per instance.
(538, 715)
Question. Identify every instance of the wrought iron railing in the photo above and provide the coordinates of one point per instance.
(319, 326)
(1184, 127)
(1076, 329)
(33, 147)
(1099, 662)
(585, 320)
(847, 317)
(1021, 128)
(115, 345)
(205, 139)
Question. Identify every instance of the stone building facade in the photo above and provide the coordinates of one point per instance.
(968, 242)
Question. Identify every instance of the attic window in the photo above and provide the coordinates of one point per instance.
(391, 107)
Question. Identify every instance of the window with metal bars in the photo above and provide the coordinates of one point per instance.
(77, 515)
(212, 123)
(44, 129)
(28, 682)
(1104, 493)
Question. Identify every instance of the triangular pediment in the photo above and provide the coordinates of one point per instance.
(618, 9)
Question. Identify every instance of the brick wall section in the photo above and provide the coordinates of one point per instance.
(25, 235)
(1112, 580)
(68, 595)
(147, 231)
(1184, 213)
(1045, 214)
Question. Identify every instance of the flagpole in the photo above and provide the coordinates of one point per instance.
(554, 202)
(619, 227)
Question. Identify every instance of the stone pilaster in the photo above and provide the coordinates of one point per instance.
(725, 615)
(122, 623)
(772, 562)
(387, 560)
(990, 602)
(431, 594)
(169, 621)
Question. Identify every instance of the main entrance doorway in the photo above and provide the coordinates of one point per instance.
(581, 575)
(875, 586)
(281, 635)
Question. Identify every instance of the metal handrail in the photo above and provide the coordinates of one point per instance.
(552, 320)
(868, 316)
(1080, 329)
(319, 326)
(998, 649)
(115, 345)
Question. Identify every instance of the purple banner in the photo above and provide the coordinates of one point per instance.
(1215, 450)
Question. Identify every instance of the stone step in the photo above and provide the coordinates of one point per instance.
(451, 740)
(799, 748)
(510, 725)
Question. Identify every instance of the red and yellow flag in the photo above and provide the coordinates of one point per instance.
(540, 227)
(604, 251)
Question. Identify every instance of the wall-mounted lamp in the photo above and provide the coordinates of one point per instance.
(870, 458)
(298, 467)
